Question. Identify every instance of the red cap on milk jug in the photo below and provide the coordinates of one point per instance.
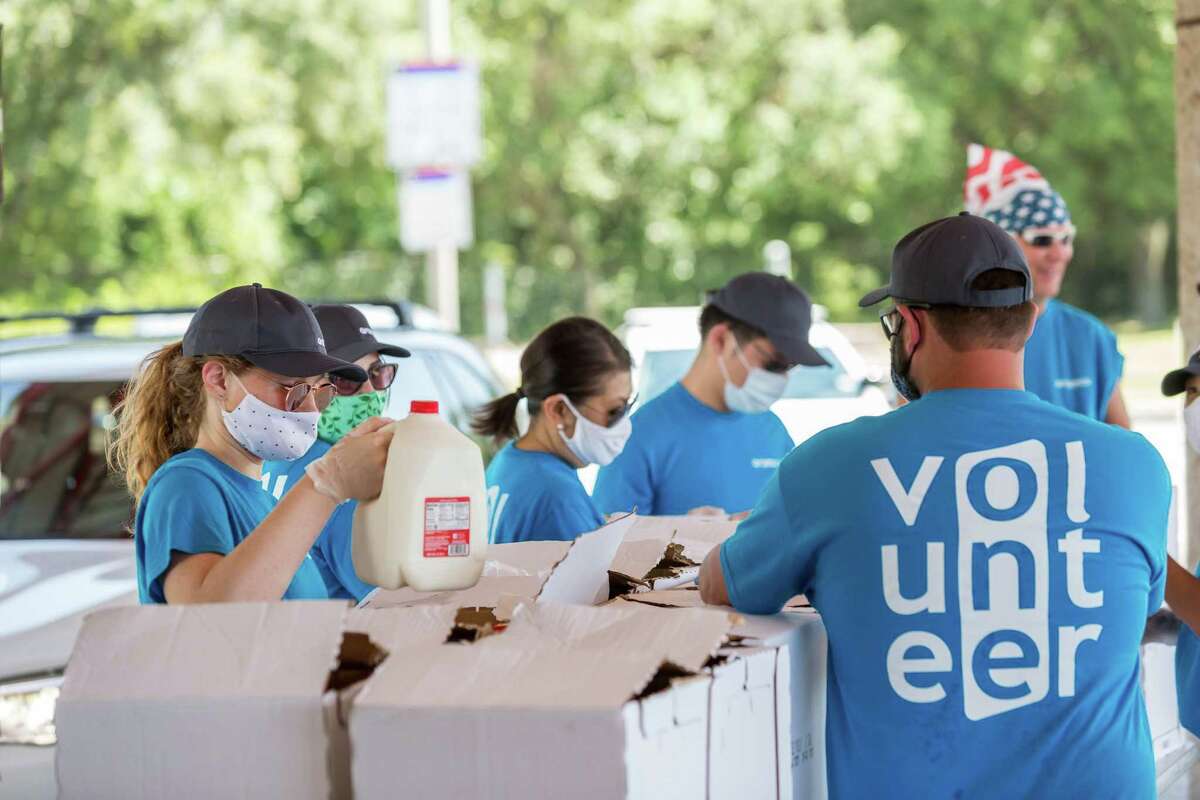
(423, 407)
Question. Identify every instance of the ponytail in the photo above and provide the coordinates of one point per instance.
(498, 419)
(574, 356)
(161, 413)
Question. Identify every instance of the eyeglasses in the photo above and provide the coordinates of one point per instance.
(1041, 239)
(296, 395)
(380, 374)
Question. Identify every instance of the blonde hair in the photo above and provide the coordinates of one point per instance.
(161, 413)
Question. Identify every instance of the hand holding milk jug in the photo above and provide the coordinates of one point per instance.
(427, 529)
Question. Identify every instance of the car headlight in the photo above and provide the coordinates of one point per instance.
(27, 711)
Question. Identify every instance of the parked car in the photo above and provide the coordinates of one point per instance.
(65, 542)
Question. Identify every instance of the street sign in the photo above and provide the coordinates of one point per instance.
(434, 116)
(435, 210)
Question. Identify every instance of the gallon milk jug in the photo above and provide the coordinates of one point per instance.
(428, 527)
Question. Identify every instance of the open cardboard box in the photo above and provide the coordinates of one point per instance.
(570, 701)
(228, 700)
(799, 636)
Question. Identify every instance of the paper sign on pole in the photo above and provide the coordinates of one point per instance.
(435, 210)
(434, 116)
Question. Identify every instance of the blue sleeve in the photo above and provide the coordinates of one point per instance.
(1159, 522)
(767, 561)
(626, 484)
(1112, 367)
(185, 512)
(786, 442)
(334, 557)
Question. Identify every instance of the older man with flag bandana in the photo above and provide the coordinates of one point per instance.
(1071, 359)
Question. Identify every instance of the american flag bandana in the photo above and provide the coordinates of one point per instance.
(1009, 192)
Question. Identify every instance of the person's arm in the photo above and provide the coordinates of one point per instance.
(1183, 594)
(264, 563)
(1117, 413)
(712, 580)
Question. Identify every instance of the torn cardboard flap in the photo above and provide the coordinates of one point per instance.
(581, 578)
(485, 675)
(524, 558)
(403, 628)
(685, 638)
(227, 649)
(698, 534)
(689, 597)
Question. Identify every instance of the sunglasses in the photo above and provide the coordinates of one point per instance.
(771, 364)
(1040, 240)
(380, 374)
(296, 395)
(890, 320)
(617, 414)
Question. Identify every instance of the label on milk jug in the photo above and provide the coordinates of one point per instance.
(447, 526)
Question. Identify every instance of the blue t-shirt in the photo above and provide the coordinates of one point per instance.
(195, 503)
(984, 564)
(1072, 360)
(534, 496)
(331, 552)
(683, 455)
(1187, 677)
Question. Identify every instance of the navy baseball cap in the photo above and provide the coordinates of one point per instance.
(777, 307)
(1175, 381)
(268, 328)
(937, 263)
(348, 336)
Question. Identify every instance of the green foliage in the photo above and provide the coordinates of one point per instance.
(637, 152)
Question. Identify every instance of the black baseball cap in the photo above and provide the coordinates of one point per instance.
(937, 263)
(1176, 380)
(777, 307)
(348, 336)
(268, 328)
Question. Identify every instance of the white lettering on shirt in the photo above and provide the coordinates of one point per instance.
(908, 502)
(1072, 383)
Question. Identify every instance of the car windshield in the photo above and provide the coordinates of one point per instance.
(661, 368)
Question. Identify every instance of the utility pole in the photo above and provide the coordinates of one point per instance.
(441, 262)
(1187, 165)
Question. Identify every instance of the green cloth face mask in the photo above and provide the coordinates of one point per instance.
(343, 414)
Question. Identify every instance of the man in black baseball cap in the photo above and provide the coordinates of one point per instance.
(709, 443)
(349, 337)
(983, 561)
(268, 328)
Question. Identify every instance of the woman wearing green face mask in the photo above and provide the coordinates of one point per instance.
(348, 337)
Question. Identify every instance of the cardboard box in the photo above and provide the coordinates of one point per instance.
(798, 632)
(212, 701)
(570, 701)
(749, 725)
(227, 700)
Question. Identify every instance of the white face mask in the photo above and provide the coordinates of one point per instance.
(1191, 422)
(596, 444)
(760, 391)
(268, 432)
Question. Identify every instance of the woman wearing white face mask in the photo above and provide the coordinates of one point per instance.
(575, 379)
(245, 385)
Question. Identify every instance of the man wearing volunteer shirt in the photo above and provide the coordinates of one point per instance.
(1072, 358)
(983, 561)
(710, 442)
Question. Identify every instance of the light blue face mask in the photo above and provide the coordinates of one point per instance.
(761, 390)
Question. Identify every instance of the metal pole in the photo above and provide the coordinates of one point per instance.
(495, 312)
(1187, 165)
(441, 263)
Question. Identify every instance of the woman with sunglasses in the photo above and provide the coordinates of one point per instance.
(575, 378)
(246, 385)
(348, 337)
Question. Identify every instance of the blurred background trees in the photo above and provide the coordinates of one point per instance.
(637, 153)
